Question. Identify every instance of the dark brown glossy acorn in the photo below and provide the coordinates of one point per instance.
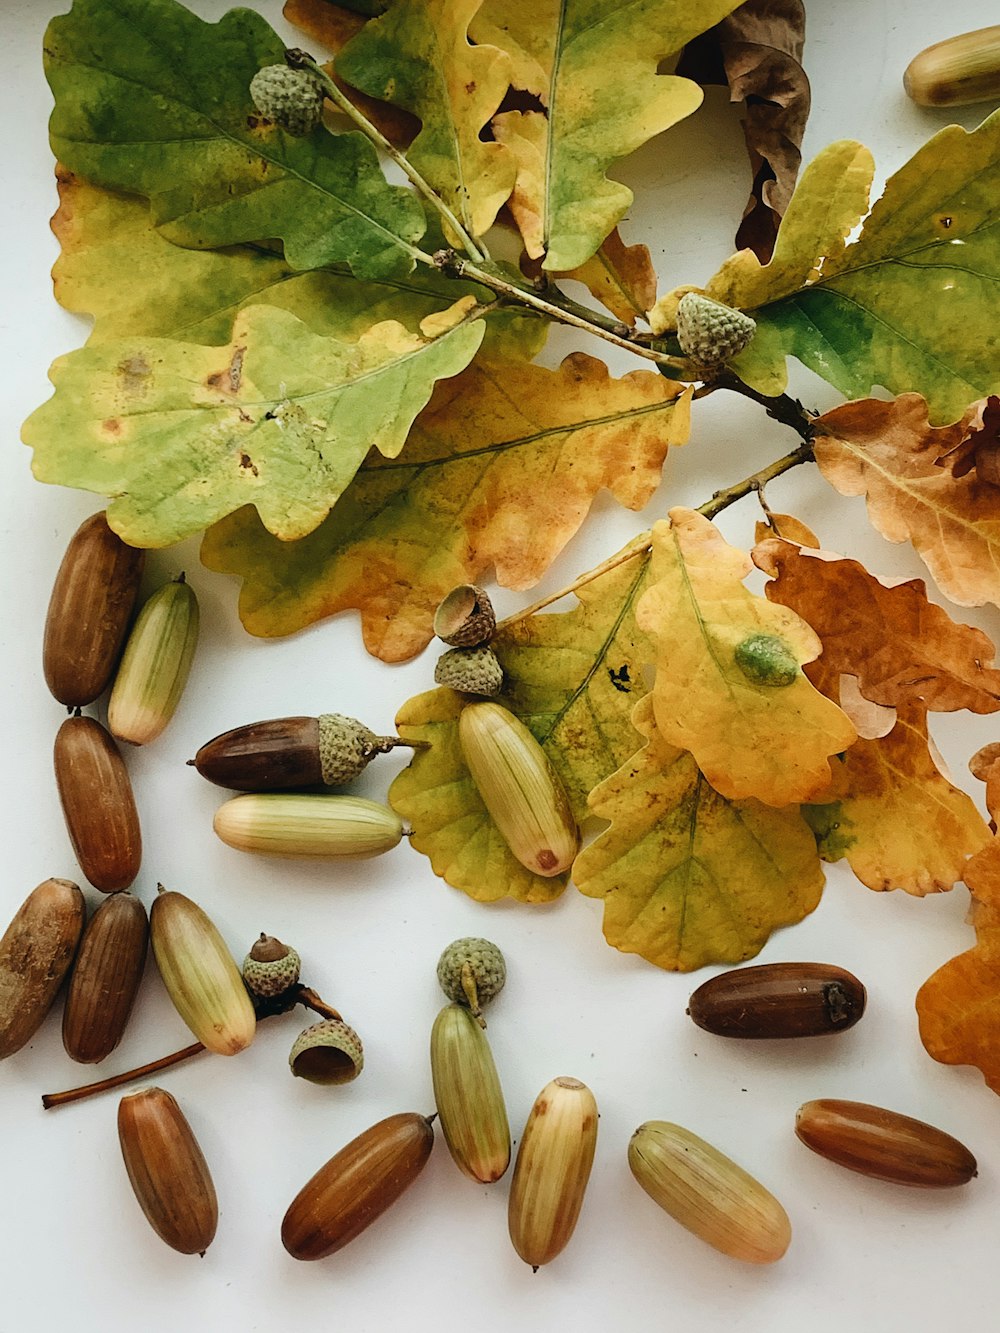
(89, 611)
(883, 1144)
(98, 804)
(105, 978)
(284, 753)
(779, 1000)
(357, 1186)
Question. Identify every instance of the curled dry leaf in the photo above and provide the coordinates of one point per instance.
(687, 877)
(757, 50)
(980, 449)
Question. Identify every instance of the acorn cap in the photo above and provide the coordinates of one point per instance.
(471, 670)
(327, 1052)
(465, 618)
(709, 332)
(472, 971)
(346, 746)
(271, 967)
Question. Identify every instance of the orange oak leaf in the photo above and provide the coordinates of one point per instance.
(899, 645)
(889, 452)
(620, 276)
(466, 495)
(789, 527)
(729, 685)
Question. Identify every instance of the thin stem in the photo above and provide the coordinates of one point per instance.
(455, 266)
(301, 60)
(308, 997)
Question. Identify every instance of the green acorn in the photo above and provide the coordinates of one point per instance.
(472, 972)
(711, 333)
(327, 1052)
(471, 670)
(291, 98)
(270, 967)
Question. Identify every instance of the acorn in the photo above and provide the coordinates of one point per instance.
(105, 978)
(289, 752)
(155, 665)
(470, 671)
(35, 954)
(472, 971)
(883, 1144)
(776, 1000)
(98, 804)
(89, 611)
(465, 618)
(299, 824)
(468, 1096)
(329, 1052)
(270, 967)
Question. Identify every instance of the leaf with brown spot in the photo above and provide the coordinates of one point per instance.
(888, 452)
(757, 50)
(901, 647)
(500, 470)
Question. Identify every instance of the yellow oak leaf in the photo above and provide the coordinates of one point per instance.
(499, 471)
(888, 452)
(729, 685)
(620, 276)
(689, 878)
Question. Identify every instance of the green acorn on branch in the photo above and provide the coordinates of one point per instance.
(291, 98)
(709, 332)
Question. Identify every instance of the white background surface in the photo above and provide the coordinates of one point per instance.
(73, 1245)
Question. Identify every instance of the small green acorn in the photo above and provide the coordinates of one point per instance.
(472, 972)
(709, 332)
(328, 1052)
(470, 670)
(270, 967)
(291, 98)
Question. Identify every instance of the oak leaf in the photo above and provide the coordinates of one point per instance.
(980, 450)
(177, 435)
(418, 56)
(753, 732)
(595, 73)
(499, 470)
(450, 824)
(178, 126)
(900, 646)
(888, 452)
(620, 276)
(757, 50)
(689, 878)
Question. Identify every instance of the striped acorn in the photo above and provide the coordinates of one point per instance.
(552, 1170)
(105, 978)
(200, 975)
(98, 804)
(957, 71)
(884, 1144)
(35, 954)
(708, 1193)
(519, 787)
(89, 611)
(356, 1186)
(167, 1170)
(468, 1095)
(306, 825)
(155, 665)
(288, 752)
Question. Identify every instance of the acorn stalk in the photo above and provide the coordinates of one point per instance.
(35, 954)
(468, 1096)
(105, 978)
(167, 1170)
(519, 787)
(305, 825)
(155, 665)
(553, 1166)
(200, 974)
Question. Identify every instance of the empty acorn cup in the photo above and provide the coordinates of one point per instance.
(328, 1052)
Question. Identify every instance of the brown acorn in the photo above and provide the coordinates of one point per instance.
(168, 1171)
(884, 1144)
(35, 954)
(779, 1000)
(105, 978)
(89, 611)
(98, 804)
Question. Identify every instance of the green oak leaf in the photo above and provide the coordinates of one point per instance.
(152, 100)
(178, 435)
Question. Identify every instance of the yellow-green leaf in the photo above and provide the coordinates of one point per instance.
(499, 471)
(177, 435)
(451, 826)
(728, 682)
(594, 67)
(418, 56)
(689, 878)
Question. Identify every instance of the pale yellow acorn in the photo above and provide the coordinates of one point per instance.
(468, 1095)
(304, 825)
(552, 1170)
(200, 974)
(708, 1193)
(957, 71)
(519, 787)
(155, 666)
